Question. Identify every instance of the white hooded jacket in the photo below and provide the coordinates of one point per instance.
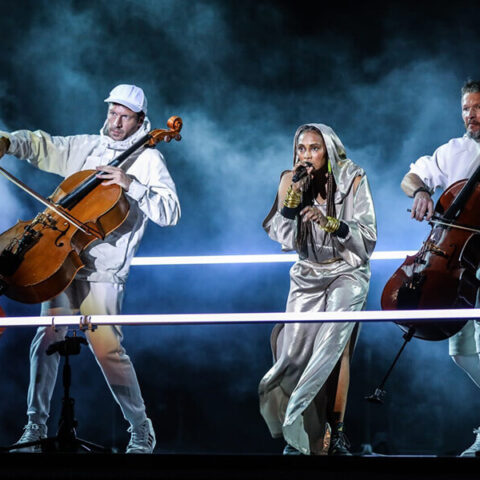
(152, 194)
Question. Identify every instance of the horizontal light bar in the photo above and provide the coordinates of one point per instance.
(393, 254)
(254, 318)
(214, 259)
(266, 258)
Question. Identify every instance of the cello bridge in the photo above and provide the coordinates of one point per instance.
(431, 247)
(45, 220)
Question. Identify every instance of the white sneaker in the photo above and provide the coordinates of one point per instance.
(142, 438)
(475, 447)
(32, 432)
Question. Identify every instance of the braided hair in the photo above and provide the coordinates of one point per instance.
(304, 229)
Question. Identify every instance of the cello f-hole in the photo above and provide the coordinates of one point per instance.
(62, 234)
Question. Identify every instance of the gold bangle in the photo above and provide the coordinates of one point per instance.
(292, 199)
(332, 225)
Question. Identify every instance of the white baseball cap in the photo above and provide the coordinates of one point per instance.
(129, 96)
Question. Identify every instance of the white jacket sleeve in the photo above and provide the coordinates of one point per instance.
(60, 155)
(153, 188)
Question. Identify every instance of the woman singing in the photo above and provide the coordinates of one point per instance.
(324, 211)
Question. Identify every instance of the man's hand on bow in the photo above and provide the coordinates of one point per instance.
(422, 208)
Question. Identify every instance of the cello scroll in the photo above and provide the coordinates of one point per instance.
(174, 124)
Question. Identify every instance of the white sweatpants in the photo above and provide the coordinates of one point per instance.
(88, 298)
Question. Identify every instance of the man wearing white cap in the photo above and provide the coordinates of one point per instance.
(98, 287)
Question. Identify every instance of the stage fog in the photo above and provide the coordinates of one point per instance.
(243, 76)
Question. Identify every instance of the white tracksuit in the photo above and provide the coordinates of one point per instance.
(98, 287)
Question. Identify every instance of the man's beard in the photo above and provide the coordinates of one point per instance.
(474, 135)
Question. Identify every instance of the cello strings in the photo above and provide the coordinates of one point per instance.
(461, 227)
(49, 204)
(436, 219)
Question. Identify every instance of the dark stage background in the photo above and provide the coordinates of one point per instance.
(243, 75)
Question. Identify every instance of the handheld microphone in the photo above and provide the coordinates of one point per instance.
(301, 172)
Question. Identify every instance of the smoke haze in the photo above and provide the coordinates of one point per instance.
(242, 75)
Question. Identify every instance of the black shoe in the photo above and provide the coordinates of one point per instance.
(339, 443)
(289, 450)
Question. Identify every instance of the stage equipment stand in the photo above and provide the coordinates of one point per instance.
(378, 395)
(66, 440)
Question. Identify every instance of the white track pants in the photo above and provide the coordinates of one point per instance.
(88, 298)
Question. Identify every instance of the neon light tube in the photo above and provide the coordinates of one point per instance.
(261, 258)
(253, 318)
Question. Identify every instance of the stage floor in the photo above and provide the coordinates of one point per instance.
(21, 466)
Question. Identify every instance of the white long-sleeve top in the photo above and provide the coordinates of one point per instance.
(152, 194)
(453, 161)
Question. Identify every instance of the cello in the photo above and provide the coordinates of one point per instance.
(442, 274)
(40, 258)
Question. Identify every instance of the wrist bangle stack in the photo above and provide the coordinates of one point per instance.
(292, 199)
(332, 225)
(422, 189)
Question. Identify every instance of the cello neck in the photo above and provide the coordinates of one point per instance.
(149, 140)
(70, 200)
(461, 199)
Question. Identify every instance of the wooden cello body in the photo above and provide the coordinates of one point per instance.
(49, 257)
(443, 273)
